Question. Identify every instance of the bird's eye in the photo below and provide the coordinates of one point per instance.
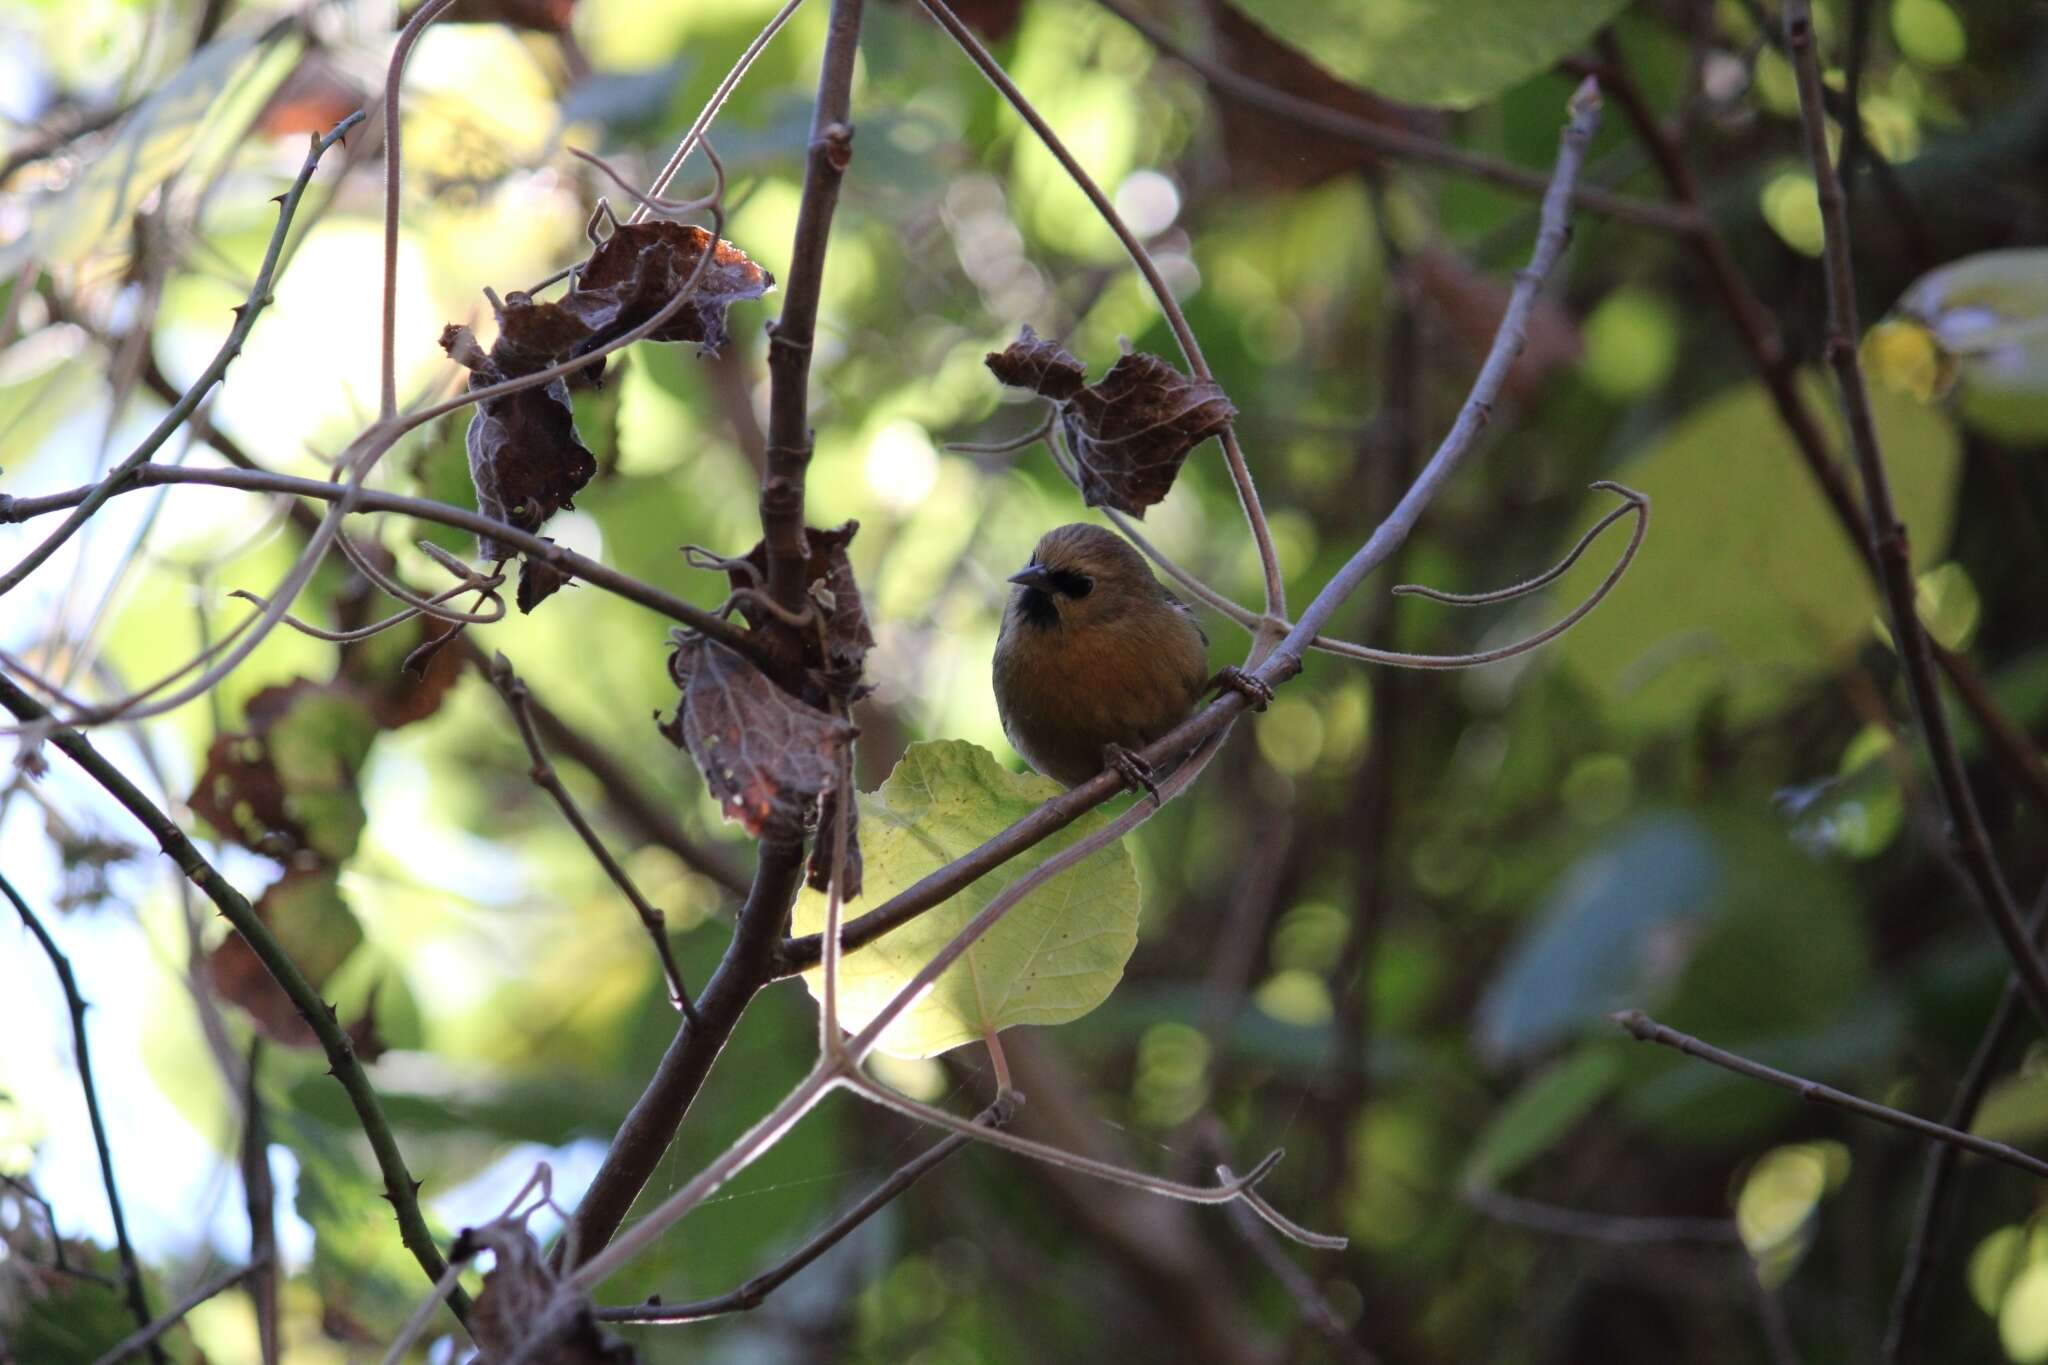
(1071, 584)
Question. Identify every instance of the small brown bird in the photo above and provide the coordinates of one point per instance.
(1096, 659)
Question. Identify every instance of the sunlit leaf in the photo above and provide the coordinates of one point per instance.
(1054, 957)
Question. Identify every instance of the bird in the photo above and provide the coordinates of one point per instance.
(1095, 659)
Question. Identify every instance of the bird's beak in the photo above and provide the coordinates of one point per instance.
(1032, 576)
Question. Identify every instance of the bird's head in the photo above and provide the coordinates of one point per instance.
(1081, 574)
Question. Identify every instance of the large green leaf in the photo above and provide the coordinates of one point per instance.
(1056, 955)
(1452, 53)
(1748, 587)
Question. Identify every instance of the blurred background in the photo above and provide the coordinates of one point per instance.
(1384, 934)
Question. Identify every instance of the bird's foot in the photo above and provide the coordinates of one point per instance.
(1254, 690)
(1136, 772)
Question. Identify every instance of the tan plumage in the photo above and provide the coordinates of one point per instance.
(1093, 653)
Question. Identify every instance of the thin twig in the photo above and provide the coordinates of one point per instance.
(260, 1194)
(544, 776)
(1935, 1185)
(713, 105)
(258, 298)
(576, 566)
(394, 75)
(1169, 307)
(131, 1270)
(1308, 1296)
(750, 1295)
(1398, 142)
(399, 1187)
(148, 1335)
(1615, 1229)
(1888, 546)
(1647, 1030)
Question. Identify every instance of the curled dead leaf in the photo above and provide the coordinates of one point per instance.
(767, 757)
(847, 637)
(1130, 431)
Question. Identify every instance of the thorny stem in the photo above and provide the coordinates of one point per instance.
(1888, 545)
(751, 1294)
(259, 298)
(544, 776)
(131, 1270)
(400, 1190)
(1233, 453)
(1648, 1030)
(387, 394)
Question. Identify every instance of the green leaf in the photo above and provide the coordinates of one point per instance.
(1747, 587)
(1540, 1113)
(1451, 53)
(1054, 957)
(1979, 324)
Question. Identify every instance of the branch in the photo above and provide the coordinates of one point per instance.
(260, 1193)
(543, 773)
(1888, 546)
(1647, 1030)
(750, 1295)
(259, 298)
(1399, 142)
(644, 1137)
(399, 1187)
(1615, 1229)
(1941, 1160)
(131, 1271)
(147, 1335)
(367, 500)
(791, 336)
(1233, 453)
(387, 393)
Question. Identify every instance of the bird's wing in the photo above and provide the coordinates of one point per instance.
(1189, 612)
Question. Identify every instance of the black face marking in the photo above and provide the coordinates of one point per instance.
(1070, 583)
(1037, 608)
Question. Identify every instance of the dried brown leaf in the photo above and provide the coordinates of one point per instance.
(525, 458)
(538, 581)
(767, 757)
(517, 1311)
(305, 912)
(1044, 367)
(847, 636)
(1130, 431)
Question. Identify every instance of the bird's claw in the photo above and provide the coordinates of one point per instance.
(1136, 772)
(1255, 690)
